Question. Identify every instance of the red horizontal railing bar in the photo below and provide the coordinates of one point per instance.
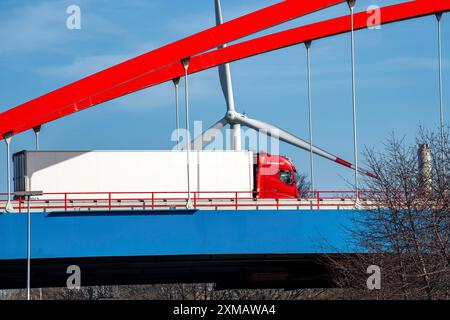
(135, 192)
(79, 94)
(73, 201)
(192, 192)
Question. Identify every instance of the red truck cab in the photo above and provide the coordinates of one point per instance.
(275, 177)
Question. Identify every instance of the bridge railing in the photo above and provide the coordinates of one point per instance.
(212, 200)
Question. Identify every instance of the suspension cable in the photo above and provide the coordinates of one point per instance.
(8, 137)
(37, 132)
(311, 155)
(441, 98)
(176, 82)
(351, 4)
(185, 63)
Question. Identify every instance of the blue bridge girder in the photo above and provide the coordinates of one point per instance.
(254, 248)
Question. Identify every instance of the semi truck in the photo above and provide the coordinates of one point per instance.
(211, 173)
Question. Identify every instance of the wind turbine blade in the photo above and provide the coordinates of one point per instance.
(201, 141)
(227, 86)
(224, 70)
(287, 137)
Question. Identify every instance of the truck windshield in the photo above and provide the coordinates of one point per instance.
(286, 176)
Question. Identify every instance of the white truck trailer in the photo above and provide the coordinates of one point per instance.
(134, 171)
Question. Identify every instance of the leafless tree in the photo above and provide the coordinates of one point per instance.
(173, 292)
(304, 186)
(4, 294)
(407, 234)
(207, 292)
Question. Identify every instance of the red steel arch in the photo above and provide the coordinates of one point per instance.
(163, 64)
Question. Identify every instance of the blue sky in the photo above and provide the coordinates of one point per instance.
(396, 77)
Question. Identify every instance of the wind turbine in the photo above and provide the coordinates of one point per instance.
(236, 120)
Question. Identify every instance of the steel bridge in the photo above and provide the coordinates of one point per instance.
(245, 248)
(150, 237)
